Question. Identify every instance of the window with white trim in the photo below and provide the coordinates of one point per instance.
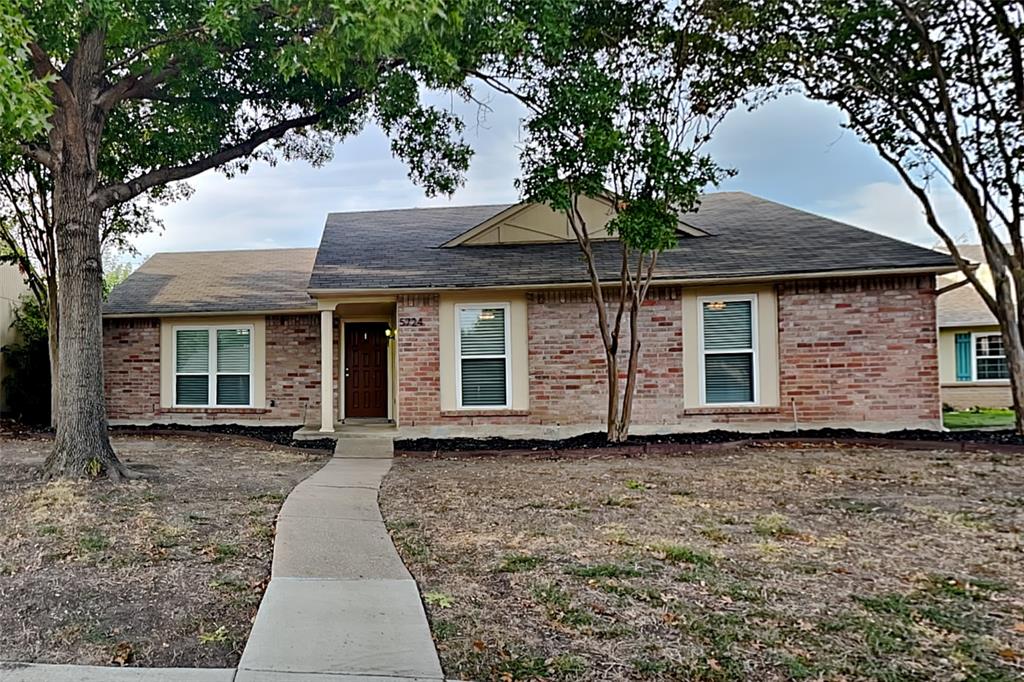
(990, 358)
(213, 366)
(728, 347)
(482, 347)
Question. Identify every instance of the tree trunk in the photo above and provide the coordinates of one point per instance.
(1015, 362)
(614, 431)
(52, 337)
(626, 418)
(81, 447)
(1013, 347)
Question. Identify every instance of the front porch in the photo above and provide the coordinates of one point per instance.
(360, 398)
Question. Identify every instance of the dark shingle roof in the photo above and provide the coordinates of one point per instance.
(216, 281)
(750, 237)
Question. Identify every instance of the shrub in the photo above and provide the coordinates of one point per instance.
(27, 385)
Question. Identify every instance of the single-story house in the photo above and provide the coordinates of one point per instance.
(478, 320)
(972, 364)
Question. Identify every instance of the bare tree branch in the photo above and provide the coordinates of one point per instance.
(37, 154)
(124, 191)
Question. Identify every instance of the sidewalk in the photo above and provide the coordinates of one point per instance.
(341, 604)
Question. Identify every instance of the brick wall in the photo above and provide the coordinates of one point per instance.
(132, 373)
(568, 380)
(419, 361)
(967, 395)
(131, 368)
(859, 350)
(851, 351)
(293, 367)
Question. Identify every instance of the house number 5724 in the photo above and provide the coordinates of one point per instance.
(410, 322)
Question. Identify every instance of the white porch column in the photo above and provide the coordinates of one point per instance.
(327, 371)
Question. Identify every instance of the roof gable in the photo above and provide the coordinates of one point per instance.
(530, 223)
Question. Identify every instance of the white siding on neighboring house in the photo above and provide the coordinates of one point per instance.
(12, 287)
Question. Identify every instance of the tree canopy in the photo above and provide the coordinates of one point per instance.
(621, 98)
(122, 100)
(187, 87)
(936, 87)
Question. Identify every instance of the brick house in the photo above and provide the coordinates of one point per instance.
(478, 321)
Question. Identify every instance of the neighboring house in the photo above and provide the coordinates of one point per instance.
(12, 288)
(478, 320)
(972, 364)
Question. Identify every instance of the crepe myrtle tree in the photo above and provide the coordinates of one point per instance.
(937, 88)
(618, 109)
(115, 99)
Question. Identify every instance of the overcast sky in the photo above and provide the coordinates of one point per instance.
(792, 151)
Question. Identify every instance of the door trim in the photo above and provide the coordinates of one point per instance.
(391, 373)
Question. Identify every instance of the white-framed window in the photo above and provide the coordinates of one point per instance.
(483, 356)
(213, 366)
(989, 358)
(727, 337)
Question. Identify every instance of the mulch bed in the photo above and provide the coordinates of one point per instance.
(1007, 439)
(166, 571)
(770, 562)
(279, 435)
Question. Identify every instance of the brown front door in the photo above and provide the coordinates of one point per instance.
(366, 369)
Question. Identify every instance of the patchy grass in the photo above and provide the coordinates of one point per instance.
(755, 563)
(163, 572)
(978, 418)
(516, 563)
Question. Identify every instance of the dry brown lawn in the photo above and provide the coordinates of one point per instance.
(167, 571)
(776, 562)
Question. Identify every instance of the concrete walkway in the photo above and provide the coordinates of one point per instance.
(341, 605)
(43, 672)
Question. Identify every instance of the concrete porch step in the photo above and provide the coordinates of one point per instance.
(313, 432)
(363, 446)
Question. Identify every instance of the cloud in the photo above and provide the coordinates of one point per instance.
(890, 209)
(790, 150)
(286, 205)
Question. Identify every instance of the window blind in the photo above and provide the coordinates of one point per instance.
(728, 351)
(192, 390)
(233, 347)
(483, 365)
(482, 330)
(729, 378)
(728, 327)
(192, 362)
(193, 349)
(233, 351)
